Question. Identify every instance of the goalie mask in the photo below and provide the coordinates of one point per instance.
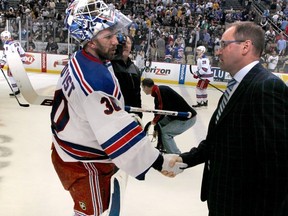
(5, 36)
(86, 18)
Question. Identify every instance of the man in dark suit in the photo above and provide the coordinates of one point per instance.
(246, 148)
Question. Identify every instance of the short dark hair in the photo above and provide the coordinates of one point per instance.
(147, 82)
(247, 30)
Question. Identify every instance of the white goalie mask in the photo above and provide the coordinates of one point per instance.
(86, 18)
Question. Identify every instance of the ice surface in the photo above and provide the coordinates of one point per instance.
(29, 185)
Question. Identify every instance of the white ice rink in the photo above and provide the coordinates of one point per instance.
(29, 185)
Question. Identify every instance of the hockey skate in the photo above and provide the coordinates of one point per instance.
(198, 105)
(14, 93)
(205, 104)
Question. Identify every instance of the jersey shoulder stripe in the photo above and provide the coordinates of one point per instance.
(80, 152)
(123, 140)
(86, 88)
(116, 93)
(93, 75)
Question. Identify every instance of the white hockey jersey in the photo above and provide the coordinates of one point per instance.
(204, 68)
(272, 62)
(88, 120)
(11, 45)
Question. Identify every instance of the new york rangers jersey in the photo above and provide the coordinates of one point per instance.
(14, 46)
(88, 120)
(204, 68)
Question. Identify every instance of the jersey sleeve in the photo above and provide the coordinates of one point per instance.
(119, 135)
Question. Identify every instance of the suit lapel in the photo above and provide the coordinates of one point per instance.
(242, 87)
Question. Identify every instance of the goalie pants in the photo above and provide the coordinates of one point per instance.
(171, 128)
(88, 184)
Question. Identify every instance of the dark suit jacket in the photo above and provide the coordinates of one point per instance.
(246, 153)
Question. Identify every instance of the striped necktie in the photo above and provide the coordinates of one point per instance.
(225, 98)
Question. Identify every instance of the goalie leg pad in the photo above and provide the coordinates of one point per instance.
(118, 187)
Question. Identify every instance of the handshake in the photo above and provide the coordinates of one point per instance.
(172, 165)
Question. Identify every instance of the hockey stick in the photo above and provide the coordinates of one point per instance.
(196, 74)
(23, 82)
(20, 104)
(148, 58)
(118, 184)
(159, 112)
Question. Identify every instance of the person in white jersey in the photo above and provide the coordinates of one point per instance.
(93, 135)
(11, 45)
(205, 75)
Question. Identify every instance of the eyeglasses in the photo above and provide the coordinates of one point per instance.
(224, 43)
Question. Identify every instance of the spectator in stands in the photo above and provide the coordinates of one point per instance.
(179, 40)
(52, 46)
(140, 60)
(272, 61)
(51, 5)
(284, 9)
(205, 37)
(160, 46)
(5, 5)
(263, 23)
(169, 50)
(45, 13)
(270, 35)
(284, 24)
(137, 40)
(266, 13)
(281, 45)
(179, 57)
(275, 18)
(30, 45)
(133, 29)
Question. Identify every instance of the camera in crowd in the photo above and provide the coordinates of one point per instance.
(122, 41)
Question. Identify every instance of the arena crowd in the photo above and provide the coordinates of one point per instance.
(173, 29)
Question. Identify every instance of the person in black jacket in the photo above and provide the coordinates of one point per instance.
(128, 75)
(168, 99)
(52, 46)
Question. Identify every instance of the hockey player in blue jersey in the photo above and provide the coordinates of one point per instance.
(92, 134)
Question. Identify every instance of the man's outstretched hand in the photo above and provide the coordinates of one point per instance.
(172, 165)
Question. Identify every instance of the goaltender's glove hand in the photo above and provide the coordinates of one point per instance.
(171, 167)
